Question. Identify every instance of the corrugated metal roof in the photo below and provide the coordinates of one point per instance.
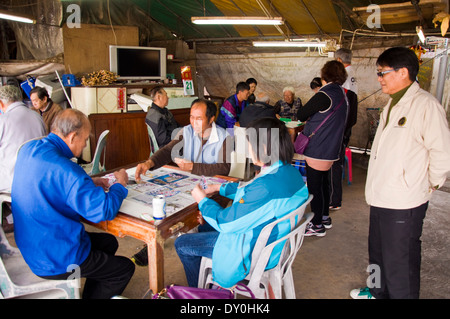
(302, 17)
(176, 15)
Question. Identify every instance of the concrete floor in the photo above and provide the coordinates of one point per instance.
(329, 267)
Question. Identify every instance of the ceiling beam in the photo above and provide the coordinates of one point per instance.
(312, 17)
(241, 46)
(189, 24)
(381, 25)
(206, 11)
(243, 13)
(405, 12)
(268, 14)
(349, 13)
(277, 13)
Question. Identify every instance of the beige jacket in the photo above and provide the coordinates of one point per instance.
(411, 154)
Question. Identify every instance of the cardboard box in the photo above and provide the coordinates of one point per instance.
(53, 87)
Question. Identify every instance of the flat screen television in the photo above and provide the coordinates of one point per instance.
(137, 63)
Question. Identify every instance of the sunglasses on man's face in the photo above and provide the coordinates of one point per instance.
(382, 73)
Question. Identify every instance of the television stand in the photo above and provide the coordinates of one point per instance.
(136, 82)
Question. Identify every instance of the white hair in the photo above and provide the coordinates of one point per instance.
(289, 88)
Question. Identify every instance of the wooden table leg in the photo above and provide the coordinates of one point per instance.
(156, 264)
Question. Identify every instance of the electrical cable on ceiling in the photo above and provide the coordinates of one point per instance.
(267, 13)
(110, 23)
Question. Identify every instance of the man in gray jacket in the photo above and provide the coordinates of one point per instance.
(18, 124)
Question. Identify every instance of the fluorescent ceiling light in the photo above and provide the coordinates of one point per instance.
(15, 17)
(238, 20)
(295, 44)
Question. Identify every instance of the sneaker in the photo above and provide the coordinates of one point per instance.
(362, 293)
(313, 230)
(327, 223)
(141, 258)
(336, 207)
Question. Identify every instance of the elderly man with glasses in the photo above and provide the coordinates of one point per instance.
(409, 160)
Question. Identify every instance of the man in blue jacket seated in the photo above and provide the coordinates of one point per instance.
(50, 193)
(276, 191)
(233, 106)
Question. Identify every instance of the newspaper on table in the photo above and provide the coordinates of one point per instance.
(175, 185)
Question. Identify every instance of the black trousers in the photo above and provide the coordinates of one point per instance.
(395, 247)
(319, 188)
(335, 179)
(106, 275)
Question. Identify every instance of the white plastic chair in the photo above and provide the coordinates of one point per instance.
(4, 197)
(152, 139)
(95, 167)
(238, 165)
(240, 159)
(278, 278)
(18, 281)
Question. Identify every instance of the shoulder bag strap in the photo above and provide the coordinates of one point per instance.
(320, 125)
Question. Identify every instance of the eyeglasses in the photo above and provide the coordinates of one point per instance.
(382, 73)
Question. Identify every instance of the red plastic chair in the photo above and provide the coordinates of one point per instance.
(348, 164)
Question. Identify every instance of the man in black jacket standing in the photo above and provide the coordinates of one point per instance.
(159, 118)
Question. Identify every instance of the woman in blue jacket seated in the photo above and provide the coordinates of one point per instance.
(277, 190)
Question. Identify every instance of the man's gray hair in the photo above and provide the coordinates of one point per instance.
(262, 97)
(10, 94)
(344, 54)
(68, 121)
(289, 88)
(154, 91)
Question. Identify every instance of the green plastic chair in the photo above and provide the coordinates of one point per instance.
(95, 166)
(152, 139)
